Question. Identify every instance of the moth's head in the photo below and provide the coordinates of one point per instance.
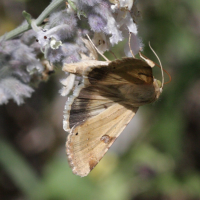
(158, 87)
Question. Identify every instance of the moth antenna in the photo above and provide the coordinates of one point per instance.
(113, 54)
(170, 78)
(129, 43)
(97, 48)
(159, 63)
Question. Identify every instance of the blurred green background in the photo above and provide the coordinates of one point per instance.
(158, 155)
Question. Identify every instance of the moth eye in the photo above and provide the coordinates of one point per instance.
(104, 42)
(77, 133)
(37, 40)
(45, 37)
(159, 83)
(99, 42)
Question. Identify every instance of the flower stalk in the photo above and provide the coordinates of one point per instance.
(25, 27)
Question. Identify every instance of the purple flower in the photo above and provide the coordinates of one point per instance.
(96, 23)
(91, 2)
(11, 88)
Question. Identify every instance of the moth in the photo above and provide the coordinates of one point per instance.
(103, 104)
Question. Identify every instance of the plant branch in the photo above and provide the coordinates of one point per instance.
(25, 27)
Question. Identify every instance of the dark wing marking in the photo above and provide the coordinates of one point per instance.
(90, 102)
(124, 71)
(129, 79)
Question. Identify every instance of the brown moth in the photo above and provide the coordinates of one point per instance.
(103, 104)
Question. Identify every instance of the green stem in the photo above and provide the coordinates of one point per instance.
(19, 171)
(22, 28)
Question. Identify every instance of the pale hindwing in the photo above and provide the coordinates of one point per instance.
(89, 141)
